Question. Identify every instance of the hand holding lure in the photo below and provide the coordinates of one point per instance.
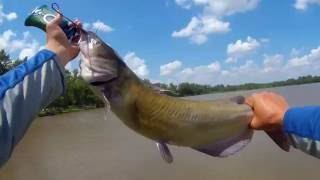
(42, 15)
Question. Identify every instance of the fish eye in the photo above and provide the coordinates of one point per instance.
(93, 43)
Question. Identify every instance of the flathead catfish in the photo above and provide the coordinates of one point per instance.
(218, 128)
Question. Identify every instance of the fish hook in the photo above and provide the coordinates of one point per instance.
(56, 8)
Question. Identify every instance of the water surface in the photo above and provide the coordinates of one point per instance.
(85, 146)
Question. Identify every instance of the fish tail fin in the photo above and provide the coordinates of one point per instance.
(280, 138)
(228, 147)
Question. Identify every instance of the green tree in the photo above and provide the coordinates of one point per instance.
(5, 62)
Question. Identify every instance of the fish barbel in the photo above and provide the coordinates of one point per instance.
(218, 128)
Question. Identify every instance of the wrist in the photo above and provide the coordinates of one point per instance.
(279, 118)
(61, 52)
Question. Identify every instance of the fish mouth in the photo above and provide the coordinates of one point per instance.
(83, 42)
(97, 66)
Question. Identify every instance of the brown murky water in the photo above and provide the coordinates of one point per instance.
(84, 146)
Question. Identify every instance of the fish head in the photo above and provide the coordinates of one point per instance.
(98, 61)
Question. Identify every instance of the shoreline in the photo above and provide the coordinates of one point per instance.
(54, 112)
(57, 111)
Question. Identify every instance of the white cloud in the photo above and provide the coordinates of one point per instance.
(240, 48)
(220, 8)
(303, 4)
(12, 16)
(211, 20)
(29, 50)
(313, 58)
(184, 3)
(272, 63)
(274, 60)
(25, 46)
(230, 60)
(214, 74)
(296, 52)
(198, 29)
(137, 64)
(170, 68)
(9, 17)
(199, 74)
(272, 68)
(99, 26)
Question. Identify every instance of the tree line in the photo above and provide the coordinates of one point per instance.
(192, 89)
(78, 95)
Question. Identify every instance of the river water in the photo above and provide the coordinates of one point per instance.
(85, 146)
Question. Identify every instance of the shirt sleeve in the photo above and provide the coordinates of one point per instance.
(24, 91)
(303, 126)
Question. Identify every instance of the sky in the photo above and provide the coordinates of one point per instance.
(199, 41)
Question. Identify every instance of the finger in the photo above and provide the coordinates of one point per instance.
(74, 51)
(78, 23)
(75, 47)
(75, 40)
(255, 124)
(57, 20)
(75, 24)
(249, 101)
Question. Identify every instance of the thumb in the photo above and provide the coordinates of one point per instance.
(74, 51)
(255, 124)
(249, 101)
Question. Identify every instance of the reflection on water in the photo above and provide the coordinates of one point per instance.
(84, 146)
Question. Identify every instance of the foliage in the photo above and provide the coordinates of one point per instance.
(77, 95)
(191, 89)
(5, 63)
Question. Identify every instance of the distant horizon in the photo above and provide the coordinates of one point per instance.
(191, 89)
(270, 82)
(204, 42)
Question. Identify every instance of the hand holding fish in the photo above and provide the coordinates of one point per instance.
(57, 41)
(269, 110)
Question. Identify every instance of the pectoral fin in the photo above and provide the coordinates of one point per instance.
(227, 147)
(165, 152)
(280, 138)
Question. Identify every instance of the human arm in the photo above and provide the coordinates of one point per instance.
(25, 90)
(302, 125)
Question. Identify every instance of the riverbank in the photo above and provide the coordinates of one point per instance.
(55, 111)
(71, 109)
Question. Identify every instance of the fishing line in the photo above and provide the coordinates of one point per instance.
(56, 8)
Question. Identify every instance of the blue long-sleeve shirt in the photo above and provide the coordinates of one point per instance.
(303, 126)
(24, 91)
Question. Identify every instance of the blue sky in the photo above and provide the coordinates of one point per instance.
(201, 41)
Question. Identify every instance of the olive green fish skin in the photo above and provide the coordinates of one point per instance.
(174, 120)
(161, 118)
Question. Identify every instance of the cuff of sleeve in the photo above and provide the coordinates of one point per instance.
(288, 120)
(302, 121)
